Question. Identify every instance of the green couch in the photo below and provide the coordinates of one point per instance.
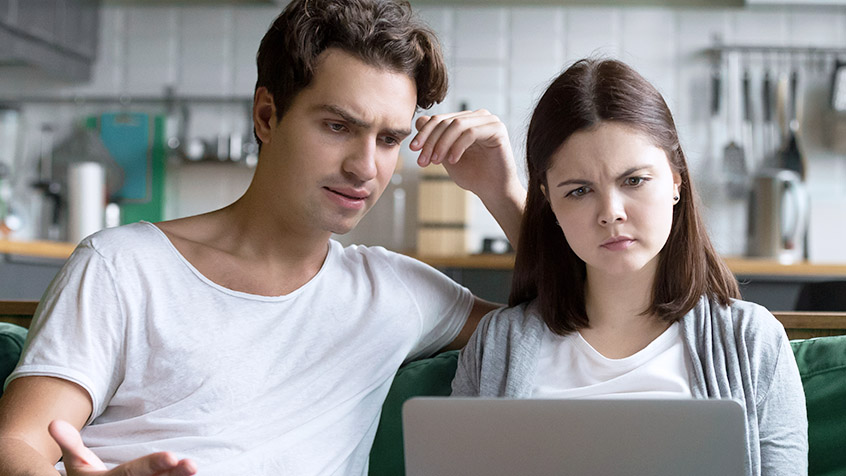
(822, 364)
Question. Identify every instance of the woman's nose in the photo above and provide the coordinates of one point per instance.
(612, 210)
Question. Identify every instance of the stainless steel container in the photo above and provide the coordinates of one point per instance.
(778, 216)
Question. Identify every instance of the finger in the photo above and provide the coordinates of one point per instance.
(470, 129)
(428, 129)
(74, 453)
(186, 467)
(435, 144)
(153, 464)
(421, 121)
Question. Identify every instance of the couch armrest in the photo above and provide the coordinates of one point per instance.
(12, 339)
(822, 366)
(426, 377)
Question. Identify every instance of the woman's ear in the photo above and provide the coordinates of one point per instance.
(264, 114)
(677, 183)
(543, 191)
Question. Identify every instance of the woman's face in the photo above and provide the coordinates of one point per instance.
(612, 192)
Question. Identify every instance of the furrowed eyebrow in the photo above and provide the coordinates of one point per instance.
(402, 133)
(623, 175)
(573, 182)
(633, 170)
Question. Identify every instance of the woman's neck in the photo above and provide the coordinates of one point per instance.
(618, 300)
(615, 306)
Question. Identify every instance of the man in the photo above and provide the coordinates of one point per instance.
(244, 340)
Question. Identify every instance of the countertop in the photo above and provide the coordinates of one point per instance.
(740, 266)
(42, 249)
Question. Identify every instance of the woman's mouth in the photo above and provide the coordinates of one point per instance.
(618, 243)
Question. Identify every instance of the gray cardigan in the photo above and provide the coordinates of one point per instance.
(739, 352)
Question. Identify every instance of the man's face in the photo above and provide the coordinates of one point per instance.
(330, 157)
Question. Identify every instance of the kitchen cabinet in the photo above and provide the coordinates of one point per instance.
(27, 268)
(56, 36)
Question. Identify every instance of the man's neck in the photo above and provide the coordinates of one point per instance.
(243, 248)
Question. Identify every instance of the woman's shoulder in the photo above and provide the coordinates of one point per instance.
(522, 319)
(739, 321)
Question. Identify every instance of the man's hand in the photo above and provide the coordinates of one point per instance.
(474, 148)
(79, 460)
(472, 145)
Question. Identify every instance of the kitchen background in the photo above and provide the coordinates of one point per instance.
(180, 78)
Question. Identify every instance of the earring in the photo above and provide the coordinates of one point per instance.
(676, 199)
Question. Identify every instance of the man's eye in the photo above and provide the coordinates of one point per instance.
(390, 140)
(634, 181)
(336, 127)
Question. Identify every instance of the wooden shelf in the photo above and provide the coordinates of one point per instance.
(739, 266)
(43, 249)
(747, 266)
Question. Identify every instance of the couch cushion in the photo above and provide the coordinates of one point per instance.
(822, 365)
(431, 377)
(12, 339)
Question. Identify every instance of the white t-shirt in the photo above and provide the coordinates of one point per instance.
(569, 367)
(240, 383)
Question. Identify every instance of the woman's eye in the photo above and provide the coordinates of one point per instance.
(634, 181)
(579, 192)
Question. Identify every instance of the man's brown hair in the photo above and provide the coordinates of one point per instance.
(547, 269)
(382, 33)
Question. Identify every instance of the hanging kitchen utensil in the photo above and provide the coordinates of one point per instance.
(814, 114)
(769, 140)
(791, 155)
(747, 130)
(734, 158)
(715, 144)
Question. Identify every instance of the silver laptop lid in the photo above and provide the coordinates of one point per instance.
(499, 437)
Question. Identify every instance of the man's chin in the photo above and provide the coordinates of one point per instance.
(344, 228)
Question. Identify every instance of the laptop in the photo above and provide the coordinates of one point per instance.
(507, 437)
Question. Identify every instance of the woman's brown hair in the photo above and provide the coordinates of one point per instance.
(382, 33)
(546, 269)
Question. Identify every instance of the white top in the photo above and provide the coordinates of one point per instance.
(569, 367)
(241, 383)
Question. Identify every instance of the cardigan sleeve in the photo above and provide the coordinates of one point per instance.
(466, 382)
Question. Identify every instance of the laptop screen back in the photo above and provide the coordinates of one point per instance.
(493, 437)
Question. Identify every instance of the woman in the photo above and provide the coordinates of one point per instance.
(617, 290)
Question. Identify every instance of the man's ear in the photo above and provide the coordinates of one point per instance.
(264, 114)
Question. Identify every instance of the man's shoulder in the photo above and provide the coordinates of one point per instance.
(374, 256)
(140, 237)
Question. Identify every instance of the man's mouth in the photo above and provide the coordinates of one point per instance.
(348, 197)
(350, 193)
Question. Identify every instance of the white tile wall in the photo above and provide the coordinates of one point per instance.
(500, 58)
(152, 47)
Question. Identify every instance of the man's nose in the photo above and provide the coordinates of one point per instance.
(361, 160)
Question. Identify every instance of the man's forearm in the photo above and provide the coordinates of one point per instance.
(507, 210)
(17, 458)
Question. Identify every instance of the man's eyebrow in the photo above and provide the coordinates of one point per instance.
(348, 117)
(623, 175)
